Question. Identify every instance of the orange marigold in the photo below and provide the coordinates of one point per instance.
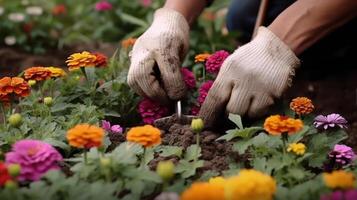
(302, 105)
(277, 124)
(78, 60)
(339, 179)
(101, 60)
(56, 72)
(85, 136)
(145, 135)
(128, 42)
(202, 57)
(37, 73)
(203, 191)
(15, 85)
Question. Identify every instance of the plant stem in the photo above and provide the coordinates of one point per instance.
(85, 157)
(284, 137)
(143, 161)
(197, 146)
(204, 73)
(84, 73)
(3, 113)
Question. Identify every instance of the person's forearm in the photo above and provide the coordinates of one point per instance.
(190, 9)
(307, 21)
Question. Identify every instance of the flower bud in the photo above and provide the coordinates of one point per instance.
(15, 119)
(14, 170)
(165, 169)
(32, 82)
(105, 162)
(48, 101)
(10, 184)
(197, 125)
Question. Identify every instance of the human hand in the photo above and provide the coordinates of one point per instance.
(251, 78)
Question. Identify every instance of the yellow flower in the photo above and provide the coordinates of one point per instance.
(203, 191)
(219, 181)
(78, 60)
(250, 185)
(277, 124)
(56, 72)
(202, 57)
(297, 148)
(302, 105)
(145, 135)
(339, 179)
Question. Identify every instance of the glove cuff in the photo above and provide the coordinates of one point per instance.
(173, 20)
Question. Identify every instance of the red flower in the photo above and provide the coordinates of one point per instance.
(101, 60)
(150, 111)
(189, 78)
(4, 174)
(203, 91)
(59, 9)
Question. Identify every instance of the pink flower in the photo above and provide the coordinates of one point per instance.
(332, 120)
(215, 61)
(195, 110)
(109, 128)
(146, 3)
(189, 78)
(203, 91)
(150, 111)
(103, 6)
(342, 154)
(35, 158)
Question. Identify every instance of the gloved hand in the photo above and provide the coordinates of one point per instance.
(251, 78)
(156, 58)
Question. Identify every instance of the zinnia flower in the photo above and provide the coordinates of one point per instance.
(146, 3)
(342, 154)
(35, 158)
(150, 111)
(339, 179)
(202, 57)
(16, 17)
(34, 10)
(215, 61)
(189, 78)
(203, 191)
(145, 135)
(195, 110)
(109, 128)
(10, 40)
(297, 148)
(15, 85)
(59, 9)
(56, 72)
(103, 6)
(78, 60)
(85, 136)
(4, 174)
(101, 60)
(37, 73)
(128, 42)
(203, 91)
(277, 124)
(302, 105)
(341, 195)
(250, 185)
(332, 120)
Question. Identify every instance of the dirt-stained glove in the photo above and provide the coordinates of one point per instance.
(251, 78)
(156, 58)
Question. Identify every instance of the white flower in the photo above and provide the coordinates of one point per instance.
(25, 2)
(34, 10)
(10, 40)
(16, 17)
(1, 10)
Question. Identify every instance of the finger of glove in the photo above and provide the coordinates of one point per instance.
(260, 104)
(172, 80)
(142, 80)
(239, 100)
(215, 102)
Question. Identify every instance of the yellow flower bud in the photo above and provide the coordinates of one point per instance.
(10, 184)
(15, 119)
(48, 101)
(165, 169)
(197, 125)
(105, 162)
(14, 169)
(32, 82)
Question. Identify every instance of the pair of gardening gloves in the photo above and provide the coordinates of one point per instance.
(247, 83)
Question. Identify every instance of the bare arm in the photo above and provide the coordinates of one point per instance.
(190, 9)
(307, 21)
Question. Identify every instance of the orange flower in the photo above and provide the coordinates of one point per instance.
(339, 179)
(37, 73)
(78, 60)
(101, 60)
(128, 42)
(56, 72)
(277, 124)
(203, 191)
(209, 15)
(202, 57)
(85, 136)
(15, 85)
(4, 99)
(145, 135)
(302, 105)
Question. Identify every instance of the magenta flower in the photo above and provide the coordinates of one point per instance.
(331, 120)
(340, 195)
(189, 78)
(103, 6)
(195, 110)
(342, 154)
(150, 111)
(215, 61)
(112, 129)
(203, 91)
(35, 158)
(146, 3)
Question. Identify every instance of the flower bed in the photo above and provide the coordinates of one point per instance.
(79, 134)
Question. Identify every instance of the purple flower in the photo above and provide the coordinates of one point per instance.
(342, 154)
(331, 120)
(109, 128)
(340, 195)
(215, 61)
(103, 6)
(35, 158)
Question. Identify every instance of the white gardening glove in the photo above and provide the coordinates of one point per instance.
(251, 78)
(163, 46)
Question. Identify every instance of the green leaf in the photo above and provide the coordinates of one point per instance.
(126, 153)
(166, 151)
(192, 152)
(243, 133)
(236, 119)
(242, 145)
(188, 169)
(133, 20)
(57, 143)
